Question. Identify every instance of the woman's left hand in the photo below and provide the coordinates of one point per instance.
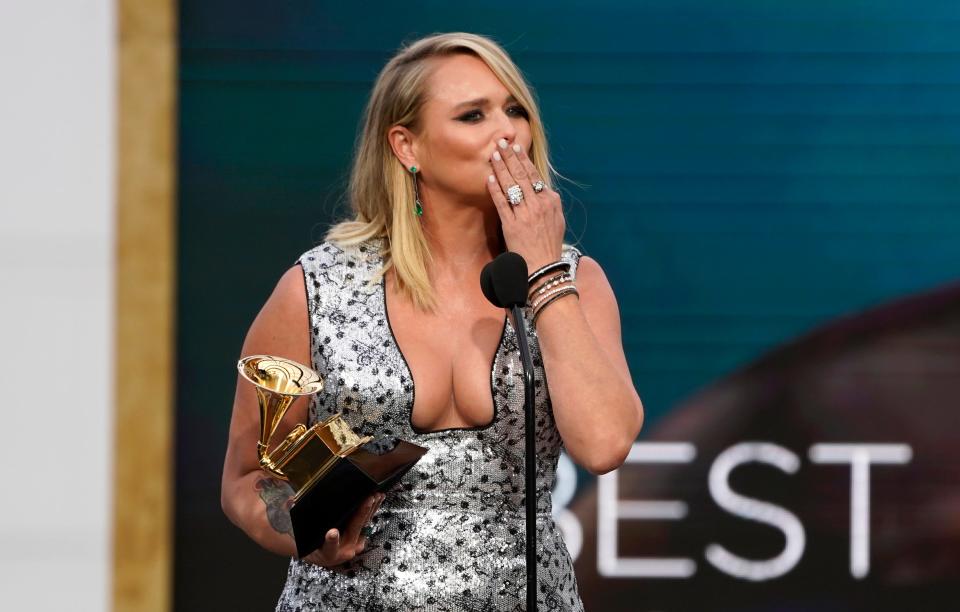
(534, 228)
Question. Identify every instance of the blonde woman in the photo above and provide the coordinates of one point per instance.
(451, 169)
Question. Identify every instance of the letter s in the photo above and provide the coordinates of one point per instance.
(755, 510)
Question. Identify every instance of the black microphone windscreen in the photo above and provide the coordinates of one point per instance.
(486, 285)
(509, 279)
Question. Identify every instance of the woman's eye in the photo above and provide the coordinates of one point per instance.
(476, 115)
(472, 116)
(519, 111)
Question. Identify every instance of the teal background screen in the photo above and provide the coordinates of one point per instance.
(747, 172)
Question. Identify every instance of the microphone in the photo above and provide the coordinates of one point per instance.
(504, 282)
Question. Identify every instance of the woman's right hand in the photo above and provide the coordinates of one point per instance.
(340, 548)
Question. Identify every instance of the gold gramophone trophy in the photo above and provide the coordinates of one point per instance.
(330, 472)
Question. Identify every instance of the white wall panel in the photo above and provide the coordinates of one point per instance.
(56, 319)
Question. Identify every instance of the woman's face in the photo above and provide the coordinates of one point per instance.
(466, 111)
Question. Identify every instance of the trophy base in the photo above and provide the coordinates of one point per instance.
(332, 501)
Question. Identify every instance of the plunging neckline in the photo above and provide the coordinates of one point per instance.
(413, 384)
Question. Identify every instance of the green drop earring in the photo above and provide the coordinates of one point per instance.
(416, 193)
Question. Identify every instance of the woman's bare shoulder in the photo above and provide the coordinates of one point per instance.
(289, 297)
(281, 327)
(596, 294)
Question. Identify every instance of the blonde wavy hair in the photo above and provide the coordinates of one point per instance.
(381, 190)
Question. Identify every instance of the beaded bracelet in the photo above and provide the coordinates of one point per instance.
(542, 298)
(559, 294)
(558, 279)
(547, 268)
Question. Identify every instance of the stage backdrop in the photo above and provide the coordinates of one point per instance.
(772, 189)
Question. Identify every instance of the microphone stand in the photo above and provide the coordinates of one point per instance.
(504, 283)
(529, 424)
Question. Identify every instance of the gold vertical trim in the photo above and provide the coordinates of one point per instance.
(145, 290)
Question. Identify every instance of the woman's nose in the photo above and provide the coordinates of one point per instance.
(506, 130)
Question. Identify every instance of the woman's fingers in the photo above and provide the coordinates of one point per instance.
(377, 505)
(360, 518)
(514, 168)
(327, 553)
(548, 198)
(538, 233)
(338, 548)
(506, 179)
(499, 200)
(362, 542)
(514, 162)
(511, 157)
(532, 173)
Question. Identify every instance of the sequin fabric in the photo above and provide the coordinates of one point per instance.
(450, 535)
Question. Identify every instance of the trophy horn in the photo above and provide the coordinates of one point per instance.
(278, 382)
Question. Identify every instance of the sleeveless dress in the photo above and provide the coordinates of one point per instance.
(450, 535)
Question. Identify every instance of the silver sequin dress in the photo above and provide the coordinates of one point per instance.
(450, 535)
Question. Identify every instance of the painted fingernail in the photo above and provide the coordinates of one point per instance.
(502, 143)
(491, 179)
(497, 156)
(517, 148)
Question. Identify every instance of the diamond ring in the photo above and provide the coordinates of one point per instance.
(539, 186)
(515, 195)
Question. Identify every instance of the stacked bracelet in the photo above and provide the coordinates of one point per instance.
(550, 283)
(565, 265)
(554, 295)
(541, 299)
(552, 289)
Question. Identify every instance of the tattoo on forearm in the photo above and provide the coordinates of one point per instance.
(278, 496)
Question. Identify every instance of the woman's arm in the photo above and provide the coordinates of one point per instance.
(254, 501)
(597, 410)
(251, 499)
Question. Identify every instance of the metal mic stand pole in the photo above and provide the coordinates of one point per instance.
(530, 425)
